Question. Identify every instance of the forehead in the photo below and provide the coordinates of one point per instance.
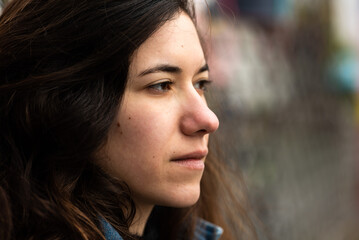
(176, 42)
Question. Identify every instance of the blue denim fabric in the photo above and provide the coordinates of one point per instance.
(109, 232)
(204, 231)
(207, 231)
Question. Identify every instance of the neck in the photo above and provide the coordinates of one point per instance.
(143, 211)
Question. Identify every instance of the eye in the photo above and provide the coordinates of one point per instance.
(161, 86)
(202, 85)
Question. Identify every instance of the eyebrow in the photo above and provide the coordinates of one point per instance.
(169, 69)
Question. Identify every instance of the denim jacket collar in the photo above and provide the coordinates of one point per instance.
(204, 231)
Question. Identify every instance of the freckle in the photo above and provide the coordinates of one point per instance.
(153, 156)
(121, 132)
(129, 118)
(181, 46)
(174, 152)
(118, 125)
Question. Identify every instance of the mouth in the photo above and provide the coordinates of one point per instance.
(194, 160)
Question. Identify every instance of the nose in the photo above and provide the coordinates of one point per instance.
(197, 117)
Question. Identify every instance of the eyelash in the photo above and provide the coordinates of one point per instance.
(203, 84)
(161, 86)
(166, 86)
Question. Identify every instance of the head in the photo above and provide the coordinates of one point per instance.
(96, 91)
(158, 141)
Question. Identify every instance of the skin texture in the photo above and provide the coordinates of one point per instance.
(163, 117)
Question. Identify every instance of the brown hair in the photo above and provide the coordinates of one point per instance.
(63, 71)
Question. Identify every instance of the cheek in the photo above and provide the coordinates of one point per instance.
(147, 125)
(143, 129)
(130, 152)
(140, 139)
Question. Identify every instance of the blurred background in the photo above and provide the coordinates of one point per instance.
(286, 92)
(286, 85)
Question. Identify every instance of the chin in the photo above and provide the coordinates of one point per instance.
(183, 198)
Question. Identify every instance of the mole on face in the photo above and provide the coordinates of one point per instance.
(119, 126)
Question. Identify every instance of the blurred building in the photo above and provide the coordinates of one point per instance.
(286, 74)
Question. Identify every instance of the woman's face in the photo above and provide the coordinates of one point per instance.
(158, 141)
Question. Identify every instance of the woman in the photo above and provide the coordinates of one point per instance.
(104, 125)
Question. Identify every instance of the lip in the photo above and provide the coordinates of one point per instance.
(197, 155)
(193, 160)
